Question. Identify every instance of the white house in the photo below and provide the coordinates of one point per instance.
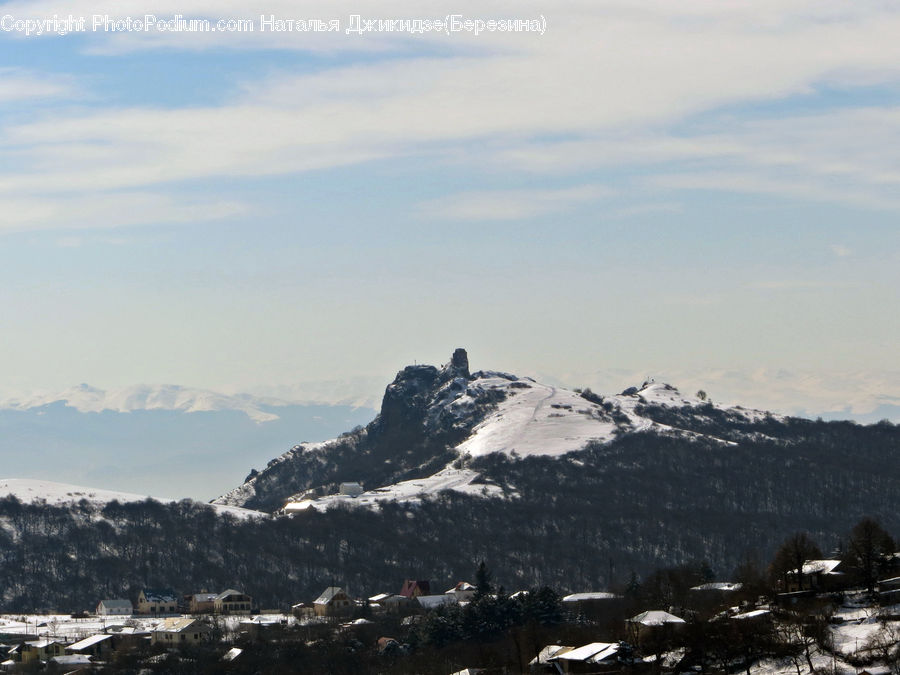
(116, 607)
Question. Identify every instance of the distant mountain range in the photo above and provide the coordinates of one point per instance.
(164, 440)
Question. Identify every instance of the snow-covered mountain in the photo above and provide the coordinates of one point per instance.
(440, 419)
(56, 494)
(86, 398)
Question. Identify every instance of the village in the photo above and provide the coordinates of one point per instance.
(817, 619)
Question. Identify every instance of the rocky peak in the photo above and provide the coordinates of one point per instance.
(457, 367)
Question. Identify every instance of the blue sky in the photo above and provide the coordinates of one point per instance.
(701, 190)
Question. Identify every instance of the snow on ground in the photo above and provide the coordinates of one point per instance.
(29, 490)
(539, 420)
(408, 491)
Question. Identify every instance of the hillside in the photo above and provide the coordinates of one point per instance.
(437, 420)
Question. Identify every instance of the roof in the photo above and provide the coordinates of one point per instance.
(600, 595)
(232, 654)
(547, 653)
(380, 597)
(224, 594)
(595, 652)
(117, 603)
(819, 567)
(718, 586)
(177, 625)
(156, 595)
(72, 660)
(328, 595)
(461, 587)
(655, 618)
(204, 597)
(88, 642)
(751, 615)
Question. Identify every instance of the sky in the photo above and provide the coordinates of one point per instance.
(705, 190)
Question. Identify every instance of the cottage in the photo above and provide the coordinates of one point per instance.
(413, 589)
(232, 602)
(332, 602)
(819, 575)
(351, 489)
(201, 603)
(157, 602)
(653, 622)
(95, 645)
(463, 591)
(117, 607)
(176, 631)
(37, 650)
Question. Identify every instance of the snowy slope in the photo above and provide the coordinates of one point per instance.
(531, 419)
(53, 493)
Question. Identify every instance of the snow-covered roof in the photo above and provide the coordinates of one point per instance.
(756, 613)
(117, 603)
(380, 597)
(462, 586)
(232, 654)
(599, 595)
(88, 642)
(548, 653)
(655, 618)
(718, 586)
(819, 567)
(594, 652)
(71, 660)
(177, 625)
(226, 593)
(328, 595)
(155, 595)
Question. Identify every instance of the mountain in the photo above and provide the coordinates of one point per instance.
(435, 421)
(86, 398)
(547, 485)
(65, 494)
(162, 440)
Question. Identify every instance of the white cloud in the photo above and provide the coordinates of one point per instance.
(18, 85)
(511, 204)
(841, 251)
(107, 211)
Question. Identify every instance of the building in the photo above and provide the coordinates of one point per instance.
(351, 489)
(816, 575)
(117, 607)
(463, 591)
(232, 602)
(413, 589)
(332, 602)
(157, 602)
(201, 603)
(99, 646)
(178, 631)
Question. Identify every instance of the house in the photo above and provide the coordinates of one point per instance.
(157, 602)
(201, 603)
(70, 664)
(232, 602)
(34, 651)
(818, 575)
(117, 607)
(653, 622)
(351, 489)
(464, 591)
(594, 605)
(332, 602)
(413, 589)
(179, 631)
(99, 646)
